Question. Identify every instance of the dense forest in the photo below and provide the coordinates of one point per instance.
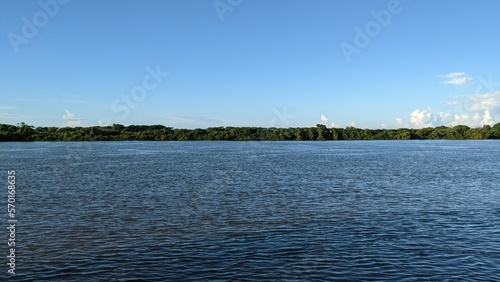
(116, 132)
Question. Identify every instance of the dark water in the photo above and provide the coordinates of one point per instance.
(255, 211)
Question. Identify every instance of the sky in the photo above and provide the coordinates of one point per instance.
(282, 63)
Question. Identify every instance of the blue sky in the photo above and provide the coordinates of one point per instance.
(197, 64)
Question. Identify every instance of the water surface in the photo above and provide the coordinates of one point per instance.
(256, 211)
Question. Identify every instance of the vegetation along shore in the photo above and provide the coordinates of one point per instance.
(118, 132)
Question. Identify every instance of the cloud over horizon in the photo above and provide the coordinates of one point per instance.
(420, 118)
(473, 110)
(71, 120)
(325, 119)
(458, 78)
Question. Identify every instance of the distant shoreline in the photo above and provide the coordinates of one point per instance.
(118, 132)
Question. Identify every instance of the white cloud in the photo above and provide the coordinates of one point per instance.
(353, 124)
(458, 78)
(445, 117)
(71, 120)
(463, 119)
(324, 119)
(476, 109)
(473, 110)
(481, 102)
(474, 119)
(487, 119)
(335, 125)
(400, 123)
(454, 103)
(421, 119)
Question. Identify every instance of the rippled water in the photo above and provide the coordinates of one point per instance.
(255, 211)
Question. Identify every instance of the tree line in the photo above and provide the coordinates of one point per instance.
(118, 132)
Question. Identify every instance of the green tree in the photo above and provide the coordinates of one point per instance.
(423, 133)
(461, 131)
(352, 133)
(477, 133)
(300, 134)
(323, 132)
(25, 131)
(495, 131)
(403, 134)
